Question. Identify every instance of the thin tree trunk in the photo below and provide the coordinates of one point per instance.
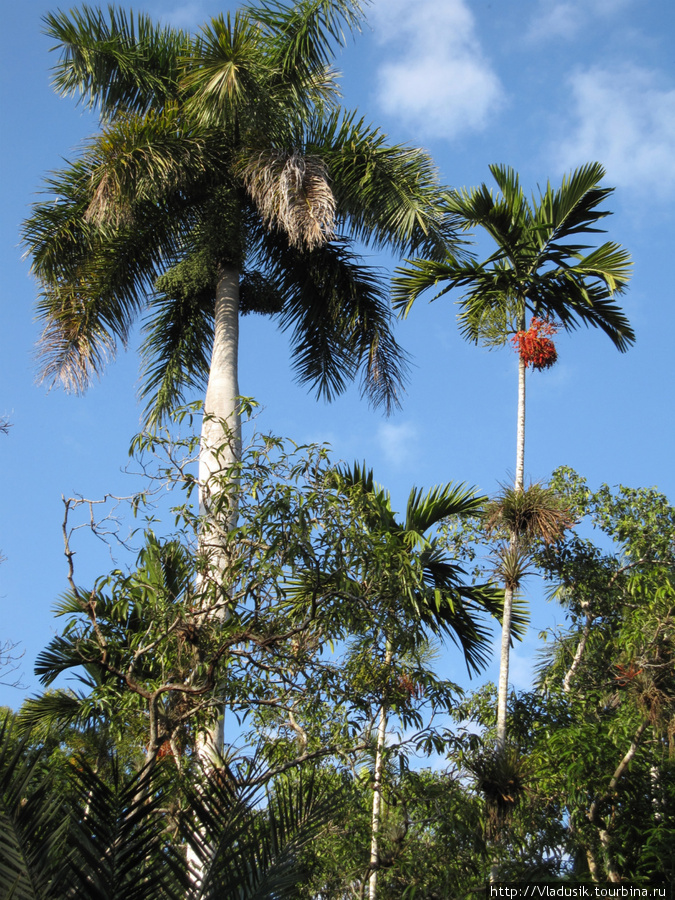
(593, 814)
(520, 442)
(377, 791)
(503, 686)
(581, 646)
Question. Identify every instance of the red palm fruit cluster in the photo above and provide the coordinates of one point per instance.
(535, 346)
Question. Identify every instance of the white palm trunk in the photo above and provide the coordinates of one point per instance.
(377, 791)
(220, 452)
(220, 447)
(503, 686)
(520, 443)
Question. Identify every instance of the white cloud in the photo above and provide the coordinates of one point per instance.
(566, 18)
(438, 80)
(398, 443)
(624, 118)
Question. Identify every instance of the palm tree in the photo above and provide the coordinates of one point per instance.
(225, 180)
(540, 270)
(123, 835)
(430, 590)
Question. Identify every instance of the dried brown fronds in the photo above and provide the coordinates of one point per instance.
(292, 191)
(106, 206)
(72, 349)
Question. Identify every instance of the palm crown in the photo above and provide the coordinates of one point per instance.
(539, 264)
(222, 153)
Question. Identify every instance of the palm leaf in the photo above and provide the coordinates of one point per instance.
(120, 65)
(121, 848)
(33, 825)
(441, 502)
(339, 320)
(389, 196)
(248, 852)
(179, 335)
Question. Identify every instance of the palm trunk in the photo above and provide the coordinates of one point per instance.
(220, 449)
(520, 443)
(503, 687)
(377, 791)
(219, 455)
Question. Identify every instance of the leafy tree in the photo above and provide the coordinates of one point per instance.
(603, 747)
(539, 269)
(420, 588)
(224, 180)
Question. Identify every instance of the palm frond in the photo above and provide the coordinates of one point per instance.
(537, 265)
(389, 195)
(33, 822)
(179, 335)
(121, 847)
(118, 65)
(339, 320)
(292, 192)
(440, 502)
(250, 851)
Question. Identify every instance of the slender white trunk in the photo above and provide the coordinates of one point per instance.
(503, 686)
(520, 444)
(377, 791)
(581, 646)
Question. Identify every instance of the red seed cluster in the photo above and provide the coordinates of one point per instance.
(535, 346)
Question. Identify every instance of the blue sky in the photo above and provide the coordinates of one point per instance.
(541, 85)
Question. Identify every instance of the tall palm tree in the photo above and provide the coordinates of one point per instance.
(224, 180)
(539, 269)
(430, 591)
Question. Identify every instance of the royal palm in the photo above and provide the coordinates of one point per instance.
(541, 267)
(224, 180)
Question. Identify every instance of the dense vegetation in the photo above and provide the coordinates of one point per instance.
(260, 710)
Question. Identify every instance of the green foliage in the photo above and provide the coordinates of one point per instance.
(124, 834)
(538, 265)
(164, 197)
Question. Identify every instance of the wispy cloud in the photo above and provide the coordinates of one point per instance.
(556, 19)
(398, 443)
(438, 80)
(625, 118)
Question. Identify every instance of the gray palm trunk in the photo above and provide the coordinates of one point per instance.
(220, 448)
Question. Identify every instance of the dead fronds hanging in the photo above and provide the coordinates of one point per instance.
(292, 191)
